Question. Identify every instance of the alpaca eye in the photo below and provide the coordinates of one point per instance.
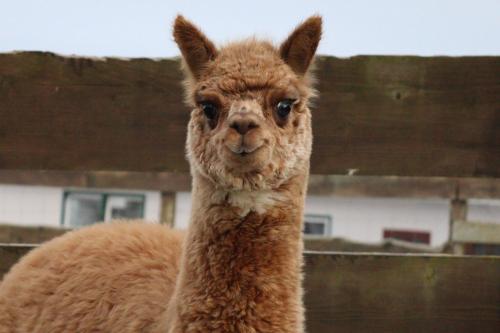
(284, 107)
(209, 109)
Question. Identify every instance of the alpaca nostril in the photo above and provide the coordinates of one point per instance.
(243, 126)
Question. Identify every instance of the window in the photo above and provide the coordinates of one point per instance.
(124, 207)
(85, 208)
(420, 237)
(317, 225)
(482, 249)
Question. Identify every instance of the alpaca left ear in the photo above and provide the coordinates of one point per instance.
(299, 48)
(197, 50)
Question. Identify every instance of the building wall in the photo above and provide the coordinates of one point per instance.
(357, 219)
(484, 210)
(182, 209)
(152, 210)
(42, 205)
(364, 219)
(30, 205)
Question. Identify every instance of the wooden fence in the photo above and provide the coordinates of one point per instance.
(15, 234)
(356, 292)
(377, 115)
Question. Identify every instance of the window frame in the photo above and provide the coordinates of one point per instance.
(104, 201)
(392, 233)
(327, 221)
(481, 249)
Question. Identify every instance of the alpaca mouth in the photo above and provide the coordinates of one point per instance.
(243, 150)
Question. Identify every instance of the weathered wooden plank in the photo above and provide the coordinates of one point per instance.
(380, 115)
(167, 215)
(35, 235)
(327, 244)
(380, 186)
(402, 293)
(153, 181)
(348, 292)
(335, 185)
(10, 254)
(479, 188)
(476, 232)
(87, 114)
(458, 212)
(28, 234)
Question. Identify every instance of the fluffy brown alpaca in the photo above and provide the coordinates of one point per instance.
(238, 269)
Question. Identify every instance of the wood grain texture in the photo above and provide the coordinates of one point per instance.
(479, 188)
(475, 232)
(28, 234)
(346, 292)
(389, 245)
(10, 254)
(326, 185)
(379, 115)
(402, 293)
(153, 181)
(14, 234)
(167, 208)
(383, 186)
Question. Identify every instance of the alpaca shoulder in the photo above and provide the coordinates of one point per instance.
(99, 275)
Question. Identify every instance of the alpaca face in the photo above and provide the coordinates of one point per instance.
(250, 126)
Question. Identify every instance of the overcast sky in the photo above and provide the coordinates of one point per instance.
(142, 28)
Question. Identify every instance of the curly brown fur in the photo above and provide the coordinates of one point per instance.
(105, 278)
(239, 267)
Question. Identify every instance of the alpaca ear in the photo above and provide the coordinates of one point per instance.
(197, 50)
(299, 48)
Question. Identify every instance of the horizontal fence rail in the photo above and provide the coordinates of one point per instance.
(376, 115)
(401, 293)
(347, 292)
(15, 234)
(336, 185)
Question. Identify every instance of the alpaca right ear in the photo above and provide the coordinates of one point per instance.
(197, 50)
(299, 48)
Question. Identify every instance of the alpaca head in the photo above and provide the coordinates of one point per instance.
(250, 126)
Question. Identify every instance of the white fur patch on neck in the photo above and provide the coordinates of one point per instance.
(250, 201)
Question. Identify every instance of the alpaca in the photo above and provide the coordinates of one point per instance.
(239, 266)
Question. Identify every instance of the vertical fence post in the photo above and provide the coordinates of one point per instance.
(458, 212)
(167, 215)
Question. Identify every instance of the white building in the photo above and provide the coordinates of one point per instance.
(361, 219)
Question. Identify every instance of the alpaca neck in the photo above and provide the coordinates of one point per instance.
(241, 268)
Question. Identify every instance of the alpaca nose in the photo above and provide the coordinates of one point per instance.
(243, 126)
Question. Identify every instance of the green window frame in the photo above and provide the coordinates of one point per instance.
(321, 219)
(104, 200)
